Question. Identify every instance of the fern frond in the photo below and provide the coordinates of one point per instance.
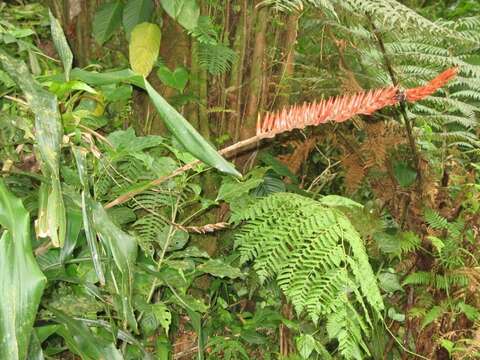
(216, 58)
(420, 278)
(435, 220)
(347, 327)
(392, 12)
(317, 258)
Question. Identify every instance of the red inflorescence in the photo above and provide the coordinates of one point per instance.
(422, 92)
(341, 108)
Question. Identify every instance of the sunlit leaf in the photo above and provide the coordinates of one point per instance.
(217, 267)
(144, 46)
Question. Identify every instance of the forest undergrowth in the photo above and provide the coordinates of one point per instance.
(268, 179)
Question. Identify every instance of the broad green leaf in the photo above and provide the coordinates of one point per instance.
(61, 45)
(404, 174)
(117, 93)
(41, 224)
(155, 315)
(186, 12)
(82, 341)
(136, 12)
(218, 268)
(388, 281)
(144, 47)
(126, 142)
(270, 185)
(6, 80)
(190, 252)
(447, 345)
(98, 79)
(163, 348)
(305, 345)
(394, 315)
(21, 281)
(62, 88)
(176, 79)
(471, 312)
(49, 134)
(176, 241)
(186, 134)
(232, 189)
(43, 332)
(340, 201)
(108, 18)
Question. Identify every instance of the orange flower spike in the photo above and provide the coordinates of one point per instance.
(422, 92)
(342, 108)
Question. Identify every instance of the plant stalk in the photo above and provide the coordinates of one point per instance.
(403, 109)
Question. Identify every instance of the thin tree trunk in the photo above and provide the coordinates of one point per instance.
(234, 90)
(256, 74)
(203, 118)
(193, 108)
(287, 69)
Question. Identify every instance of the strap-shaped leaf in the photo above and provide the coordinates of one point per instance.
(123, 248)
(61, 45)
(82, 341)
(21, 281)
(186, 134)
(80, 155)
(48, 136)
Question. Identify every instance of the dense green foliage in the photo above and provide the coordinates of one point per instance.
(126, 235)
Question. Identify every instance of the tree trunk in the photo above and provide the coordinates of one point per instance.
(256, 74)
(234, 90)
(287, 69)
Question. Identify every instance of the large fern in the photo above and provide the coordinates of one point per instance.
(318, 260)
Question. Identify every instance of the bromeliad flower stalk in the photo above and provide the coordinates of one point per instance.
(335, 109)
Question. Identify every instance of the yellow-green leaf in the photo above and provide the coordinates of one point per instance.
(144, 47)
